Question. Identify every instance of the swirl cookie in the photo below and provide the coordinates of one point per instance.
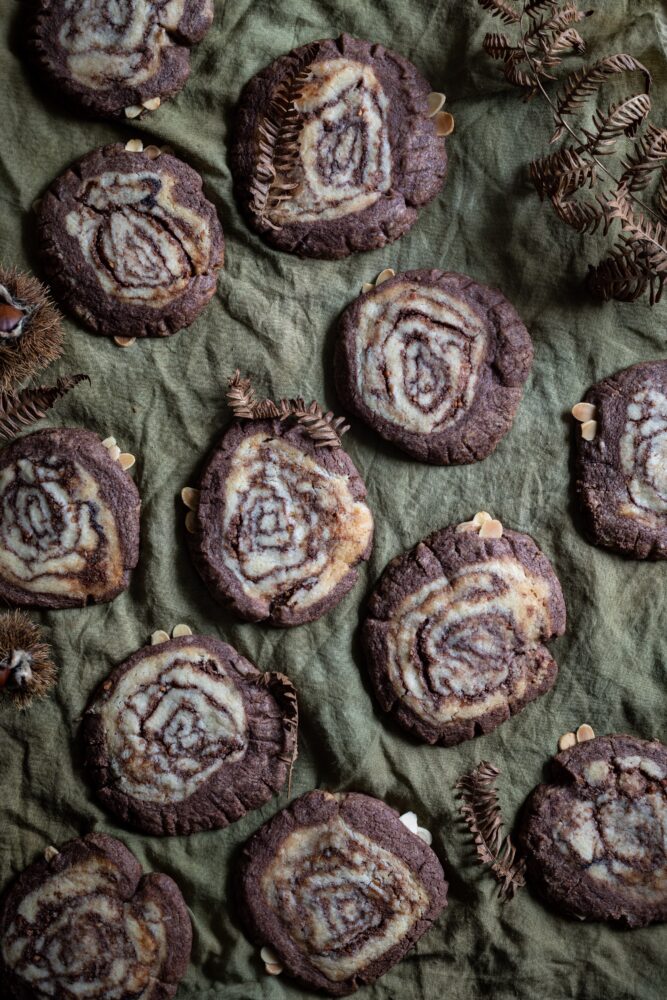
(455, 632)
(281, 525)
(131, 245)
(188, 735)
(87, 924)
(115, 58)
(340, 889)
(334, 149)
(595, 835)
(621, 467)
(69, 521)
(435, 363)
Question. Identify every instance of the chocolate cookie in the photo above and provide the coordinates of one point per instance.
(435, 363)
(116, 58)
(621, 471)
(69, 521)
(455, 632)
(281, 525)
(86, 923)
(595, 835)
(334, 150)
(188, 735)
(340, 889)
(131, 245)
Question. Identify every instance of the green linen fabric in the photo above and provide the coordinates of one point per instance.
(274, 316)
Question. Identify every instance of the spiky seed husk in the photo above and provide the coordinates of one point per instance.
(18, 633)
(41, 339)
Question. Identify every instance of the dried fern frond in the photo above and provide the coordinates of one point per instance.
(584, 217)
(580, 86)
(480, 808)
(620, 119)
(26, 668)
(646, 239)
(325, 429)
(542, 34)
(498, 46)
(648, 156)
(501, 9)
(536, 8)
(566, 170)
(621, 275)
(20, 410)
(276, 168)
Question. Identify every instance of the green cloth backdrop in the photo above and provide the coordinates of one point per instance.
(274, 316)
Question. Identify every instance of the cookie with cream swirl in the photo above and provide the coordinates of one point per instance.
(86, 923)
(621, 474)
(131, 244)
(108, 55)
(455, 633)
(69, 521)
(188, 735)
(281, 526)
(334, 151)
(435, 363)
(339, 888)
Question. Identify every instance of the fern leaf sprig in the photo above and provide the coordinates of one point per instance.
(19, 410)
(480, 808)
(325, 429)
(502, 10)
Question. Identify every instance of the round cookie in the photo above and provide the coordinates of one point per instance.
(281, 525)
(334, 151)
(111, 57)
(130, 244)
(188, 735)
(455, 631)
(621, 474)
(69, 521)
(339, 888)
(594, 836)
(86, 923)
(435, 363)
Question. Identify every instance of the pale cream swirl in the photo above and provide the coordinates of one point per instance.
(292, 528)
(643, 453)
(344, 154)
(117, 40)
(451, 644)
(616, 827)
(344, 900)
(142, 242)
(58, 535)
(418, 354)
(73, 936)
(173, 720)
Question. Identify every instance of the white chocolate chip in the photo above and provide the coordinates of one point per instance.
(584, 412)
(385, 275)
(114, 452)
(566, 741)
(51, 852)
(124, 341)
(491, 529)
(133, 111)
(444, 123)
(152, 104)
(589, 429)
(159, 636)
(585, 733)
(134, 146)
(179, 630)
(434, 102)
(109, 442)
(126, 460)
(367, 287)
(190, 497)
(190, 522)
(152, 152)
